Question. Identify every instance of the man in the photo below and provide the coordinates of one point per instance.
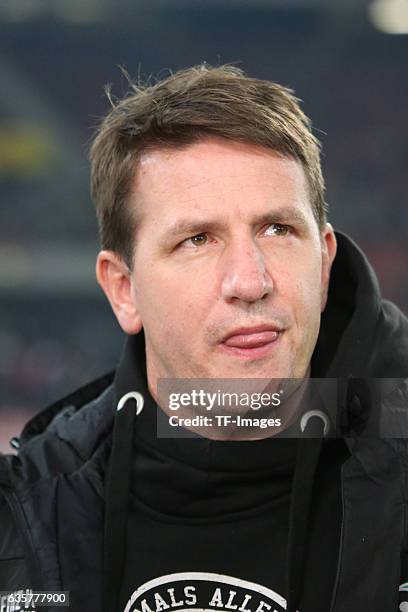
(218, 262)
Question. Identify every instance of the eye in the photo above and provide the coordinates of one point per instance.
(278, 229)
(195, 241)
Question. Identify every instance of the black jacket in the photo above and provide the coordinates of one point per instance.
(53, 493)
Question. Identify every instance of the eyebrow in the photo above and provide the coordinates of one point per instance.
(284, 215)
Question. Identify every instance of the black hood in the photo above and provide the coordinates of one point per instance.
(361, 334)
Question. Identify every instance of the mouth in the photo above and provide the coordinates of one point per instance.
(251, 342)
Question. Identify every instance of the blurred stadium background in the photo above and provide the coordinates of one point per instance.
(347, 59)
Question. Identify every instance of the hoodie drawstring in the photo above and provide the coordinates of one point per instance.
(306, 464)
(117, 497)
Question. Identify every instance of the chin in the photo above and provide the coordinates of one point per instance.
(254, 370)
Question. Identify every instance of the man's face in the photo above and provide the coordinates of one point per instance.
(230, 270)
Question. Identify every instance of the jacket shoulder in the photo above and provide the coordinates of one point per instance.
(389, 355)
(64, 436)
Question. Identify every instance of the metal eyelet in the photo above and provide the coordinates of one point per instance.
(135, 395)
(315, 413)
(15, 443)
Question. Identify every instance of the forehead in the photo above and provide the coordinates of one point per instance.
(215, 175)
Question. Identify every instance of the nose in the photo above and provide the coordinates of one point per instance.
(245, 276)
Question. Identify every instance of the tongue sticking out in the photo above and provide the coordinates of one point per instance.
(253, 340)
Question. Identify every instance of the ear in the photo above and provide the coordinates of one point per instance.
(115, 278)
(329, 250)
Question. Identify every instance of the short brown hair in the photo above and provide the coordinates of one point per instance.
(181, 109)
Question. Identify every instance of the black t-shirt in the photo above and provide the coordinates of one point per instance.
(208, 524)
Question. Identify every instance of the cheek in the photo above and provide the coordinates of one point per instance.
(305, 294)
(172, 302)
